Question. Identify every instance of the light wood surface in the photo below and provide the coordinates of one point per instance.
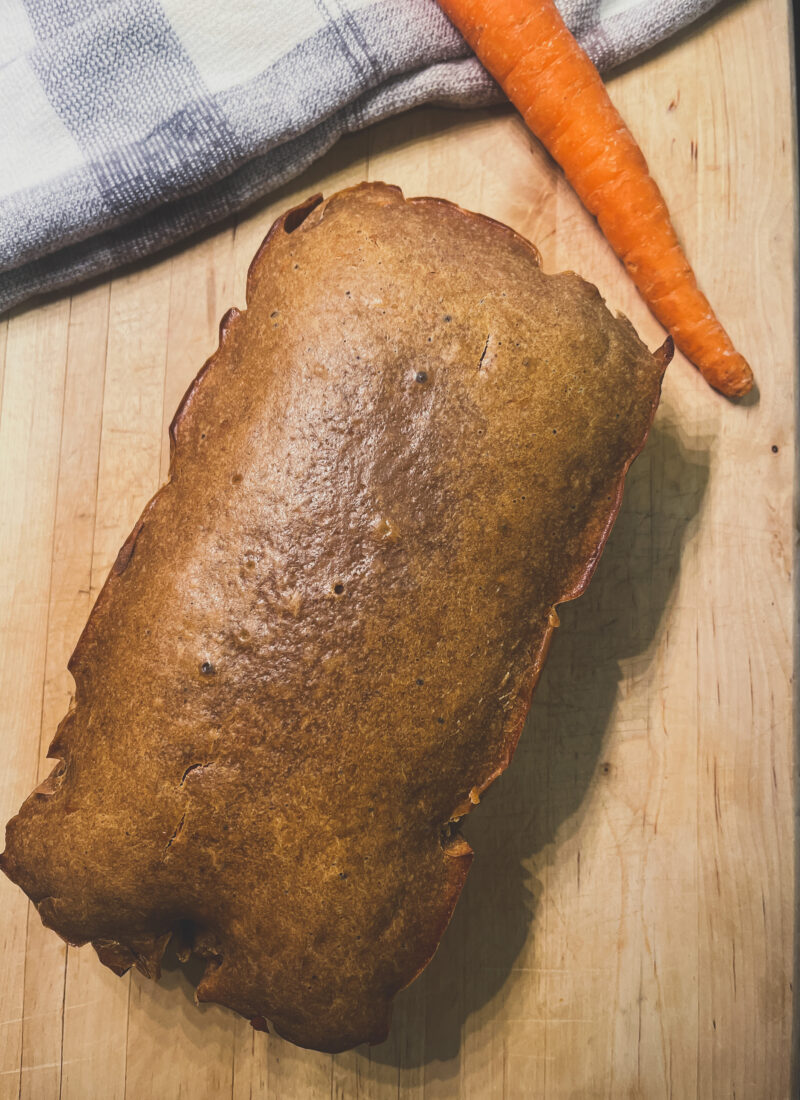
(627, 928)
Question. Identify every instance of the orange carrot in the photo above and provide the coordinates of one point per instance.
(527, 48)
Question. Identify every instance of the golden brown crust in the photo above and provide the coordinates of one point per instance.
(318, 646)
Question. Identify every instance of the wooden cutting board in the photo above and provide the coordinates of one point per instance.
(627, 928)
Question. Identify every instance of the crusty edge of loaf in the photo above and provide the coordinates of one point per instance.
(522, 703)
(119, 957)
(462, 858)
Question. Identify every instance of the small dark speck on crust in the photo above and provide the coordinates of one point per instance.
(422, 376)
(448, 318)
(343, 874)
(207, 668)
(440, 721)
(774, 448)
(420, 681)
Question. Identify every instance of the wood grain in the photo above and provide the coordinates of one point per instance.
(627, 929)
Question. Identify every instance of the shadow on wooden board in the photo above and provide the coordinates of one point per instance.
(538, 801)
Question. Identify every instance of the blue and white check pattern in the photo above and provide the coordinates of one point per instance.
(126, 125)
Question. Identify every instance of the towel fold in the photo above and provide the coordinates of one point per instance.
(126, 125)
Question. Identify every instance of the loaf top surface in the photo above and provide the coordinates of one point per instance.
(318, 646)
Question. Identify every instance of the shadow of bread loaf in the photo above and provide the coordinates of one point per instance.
(318, 645)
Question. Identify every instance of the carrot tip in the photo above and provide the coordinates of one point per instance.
(734, 383)
(741, 387)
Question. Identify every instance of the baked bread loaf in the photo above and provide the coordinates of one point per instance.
(317, 647)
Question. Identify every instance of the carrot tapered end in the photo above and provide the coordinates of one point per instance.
(732, 376)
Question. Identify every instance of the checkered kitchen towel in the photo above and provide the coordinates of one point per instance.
(127, 124)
